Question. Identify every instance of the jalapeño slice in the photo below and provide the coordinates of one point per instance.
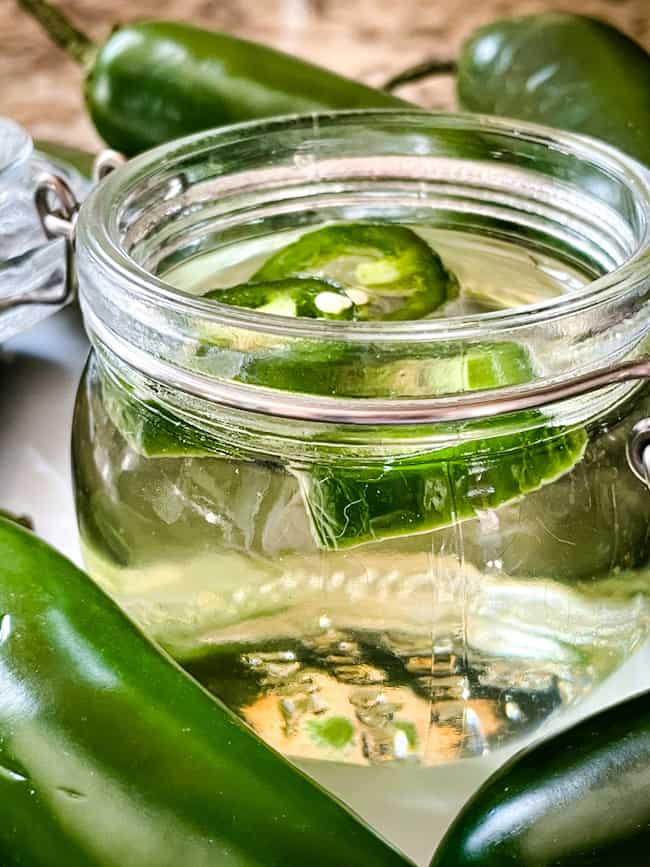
(389, 272)
(309, 297)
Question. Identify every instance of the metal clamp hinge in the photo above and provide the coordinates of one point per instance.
(58, 207)
(638, 451)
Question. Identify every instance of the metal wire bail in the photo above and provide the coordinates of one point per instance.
(106, 162)
(57, 206)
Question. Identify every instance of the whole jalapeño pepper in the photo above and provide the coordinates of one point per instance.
(153, 81)
(579, 799)
(568, 71)
(111, 756)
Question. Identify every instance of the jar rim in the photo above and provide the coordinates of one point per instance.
(154, 327)
(100, 210)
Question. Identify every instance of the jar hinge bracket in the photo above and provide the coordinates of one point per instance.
(57, 208)
(638, 451)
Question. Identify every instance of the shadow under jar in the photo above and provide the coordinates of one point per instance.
(308, 514)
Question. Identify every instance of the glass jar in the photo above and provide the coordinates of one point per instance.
(382, 541)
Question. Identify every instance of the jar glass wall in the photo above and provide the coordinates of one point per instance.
(299, 510)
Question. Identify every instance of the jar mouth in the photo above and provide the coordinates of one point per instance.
(573, 193)
(107, 239)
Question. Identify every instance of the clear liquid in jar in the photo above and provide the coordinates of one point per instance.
(416, 650)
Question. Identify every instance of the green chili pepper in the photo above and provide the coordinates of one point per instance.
(568, 71)
(580, 799)
(292, 296)
(153, 81)
(332, 367)
(400, 496)
(111, 756)
(391, 271)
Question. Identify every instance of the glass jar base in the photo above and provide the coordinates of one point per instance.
(379, 682)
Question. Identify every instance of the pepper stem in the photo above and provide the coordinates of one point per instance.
(60, 30)
(419, 71)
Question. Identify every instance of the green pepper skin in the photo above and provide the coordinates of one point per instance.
(402, 266)
(568, 71)
(580, 799)
(292, 296)
(156, 80)
(111, 756)
(350, 505)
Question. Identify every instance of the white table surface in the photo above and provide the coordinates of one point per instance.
(40, 370)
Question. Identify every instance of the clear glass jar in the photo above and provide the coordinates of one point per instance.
(318, 519)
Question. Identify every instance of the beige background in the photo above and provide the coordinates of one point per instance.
(366, 38)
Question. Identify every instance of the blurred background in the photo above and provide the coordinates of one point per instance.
(368, 39)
